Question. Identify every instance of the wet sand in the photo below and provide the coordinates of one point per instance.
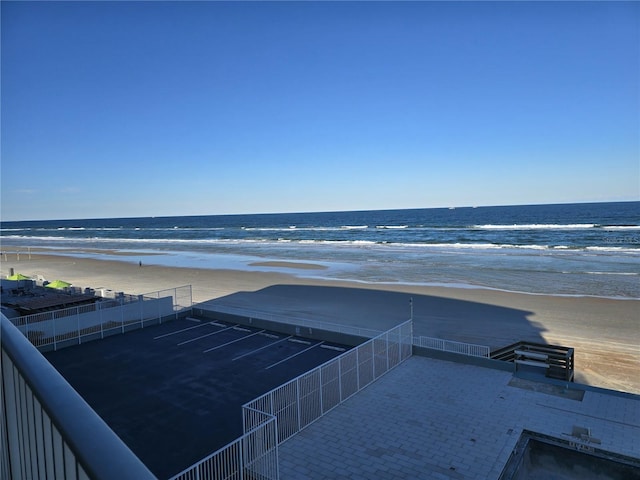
(604, 332)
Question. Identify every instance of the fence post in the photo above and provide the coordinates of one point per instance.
(242, 444)
(275, 427)
(53, 322)
(298, 400)
(78, 317)
(320, 390)
(357, 369)
(340, 378)
(26, 328)
(387, 351)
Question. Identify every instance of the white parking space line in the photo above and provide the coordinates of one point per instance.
(232, 341)
(183, 330)
(294, 355)
(334, 348)
(204, 336)
(261, 348)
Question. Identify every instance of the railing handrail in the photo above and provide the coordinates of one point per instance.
(105, 303)
(164, 290)
(332, 360)
(393, 331)
(99, 450)
(483, 350)
(271, 418)
(69, 325)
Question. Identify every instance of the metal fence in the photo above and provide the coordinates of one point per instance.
(279, 414)
(309, 396)
(253, 455)
(74, 325)
(48, 430)
(451, 346)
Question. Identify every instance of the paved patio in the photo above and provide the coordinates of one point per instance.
(432, 419)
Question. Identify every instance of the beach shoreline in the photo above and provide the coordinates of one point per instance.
(605, 332)
(309, 270)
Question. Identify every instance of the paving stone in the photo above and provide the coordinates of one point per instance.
(433, 419)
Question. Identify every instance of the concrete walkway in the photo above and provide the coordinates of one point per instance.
(432, 419)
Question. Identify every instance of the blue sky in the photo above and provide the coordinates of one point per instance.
(115, 109)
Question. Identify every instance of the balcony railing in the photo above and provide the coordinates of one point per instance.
(46, 429)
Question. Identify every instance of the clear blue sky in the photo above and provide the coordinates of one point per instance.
(122, 109)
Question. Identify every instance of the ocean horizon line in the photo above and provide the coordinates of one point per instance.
(311, 212)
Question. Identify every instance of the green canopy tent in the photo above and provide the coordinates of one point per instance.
(59, 284)
(18, 276)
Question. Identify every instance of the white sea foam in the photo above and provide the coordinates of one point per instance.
(536, 226)
(34, 241)
(621, 227)
(614, 273)
(292, 227)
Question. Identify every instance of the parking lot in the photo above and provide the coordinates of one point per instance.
(173, 392)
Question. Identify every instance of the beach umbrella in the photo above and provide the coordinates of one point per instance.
(18, 276)
(59, 284)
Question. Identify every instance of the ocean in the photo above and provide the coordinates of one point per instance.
(569, 249)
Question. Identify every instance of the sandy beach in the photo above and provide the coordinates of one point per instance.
(604, 332)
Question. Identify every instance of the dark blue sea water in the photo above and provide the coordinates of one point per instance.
(569, 249)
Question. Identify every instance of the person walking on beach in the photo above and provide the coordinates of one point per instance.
(140, 263)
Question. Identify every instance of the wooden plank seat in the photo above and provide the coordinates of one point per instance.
(534, 355)
(532, 363)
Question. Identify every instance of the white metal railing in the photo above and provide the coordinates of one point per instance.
(281, 413)
(48, 430)
(451, 346)
(73, 325)
(303, 400)
(302, 322)
(253, 455)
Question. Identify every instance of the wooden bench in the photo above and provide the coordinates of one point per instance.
(532, 363)
(534, 355)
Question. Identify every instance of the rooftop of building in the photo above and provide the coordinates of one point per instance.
(431, 418)
(436, 415)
